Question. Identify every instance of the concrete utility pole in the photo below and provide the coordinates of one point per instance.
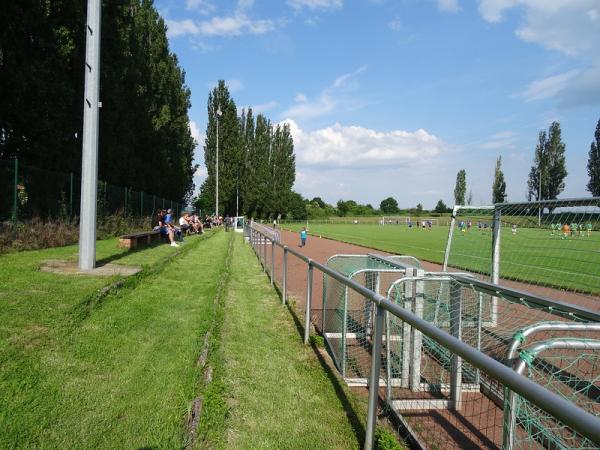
(89, 165)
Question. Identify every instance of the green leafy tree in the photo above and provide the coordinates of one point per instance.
(282, 170)
(230, 148)
(296, 206)
(389, 205)
(460, 188)
(419, 209)
(499, 185)
(549, 166)
(593, 165)
(319, 202)
(441, 207)
(144, 126)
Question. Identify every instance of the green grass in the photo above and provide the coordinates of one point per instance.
(123, 374)
(532, 255)
(270, 391)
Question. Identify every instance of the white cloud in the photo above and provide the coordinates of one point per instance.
(315, 4)
(202, 6)
(568, 26)
(179, 28)
(395, 25)
(235, 25)
(196, 134)
(501, 140)
(264, 107)
(300, 98)
(233, 85)
(448, 5)
(548, 87)
(357, 147)
(332, 98)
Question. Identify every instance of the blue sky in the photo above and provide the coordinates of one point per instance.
(392, 98)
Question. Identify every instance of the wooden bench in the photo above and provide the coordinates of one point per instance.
(135, 239)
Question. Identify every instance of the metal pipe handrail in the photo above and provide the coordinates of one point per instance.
(546, 302)
(565, 411)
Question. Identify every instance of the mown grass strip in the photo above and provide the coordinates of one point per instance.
(126, 375)
(269, 390)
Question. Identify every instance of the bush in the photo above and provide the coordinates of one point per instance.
(38, 234)
(386, 440)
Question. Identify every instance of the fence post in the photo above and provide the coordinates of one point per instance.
(70, 195)
(497, 229)
(142, 203)
(15, 206)
(309, 284)
(374, 379)
(272, 261)
(284, 295)
(264, 252)
(455, 360)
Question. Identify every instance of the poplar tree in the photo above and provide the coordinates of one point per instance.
(549, 166)
(460, 189)
(230, 149)
(499, 185)
(283, 170)
(593, 165)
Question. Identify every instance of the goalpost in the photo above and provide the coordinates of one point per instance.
(553, 245)
(409, 221)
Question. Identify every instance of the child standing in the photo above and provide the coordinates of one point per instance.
(303, 237)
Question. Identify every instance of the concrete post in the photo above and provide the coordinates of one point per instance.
(89, 166)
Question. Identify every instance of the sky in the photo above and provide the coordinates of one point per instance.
(393, 97)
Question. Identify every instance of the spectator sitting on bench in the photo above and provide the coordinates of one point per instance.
(169, 221)
(185, 223)
(164, 228)
(196, 224)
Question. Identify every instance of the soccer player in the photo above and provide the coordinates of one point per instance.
(574, 229)
(552, 229)
(589, 229)
(514, 229)
(566, 229)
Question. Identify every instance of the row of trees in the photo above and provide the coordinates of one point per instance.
(256, 162)
(145, 140)
(547, 175)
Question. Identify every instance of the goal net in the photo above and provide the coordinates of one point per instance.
(416, 222)
(550, 247)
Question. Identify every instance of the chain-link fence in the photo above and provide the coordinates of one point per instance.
(444, 345)
(28, 192)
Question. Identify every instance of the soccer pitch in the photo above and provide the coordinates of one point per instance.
(531, 255)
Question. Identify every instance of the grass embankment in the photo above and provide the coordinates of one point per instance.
(120, 372)
(532, 255)
(269, 390)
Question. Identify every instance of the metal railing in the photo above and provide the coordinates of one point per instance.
(583, 422)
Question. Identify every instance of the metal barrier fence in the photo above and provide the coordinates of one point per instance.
(28, 192)
(461, 364)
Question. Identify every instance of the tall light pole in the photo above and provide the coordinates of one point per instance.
(540, 187)
(218, 114)
(89, 165)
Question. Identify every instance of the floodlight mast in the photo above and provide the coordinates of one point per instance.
(89, 164)
(218, 114)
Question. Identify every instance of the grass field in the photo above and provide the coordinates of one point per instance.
(77, 371)
(269, 390)
(532, 255)
(83, 370)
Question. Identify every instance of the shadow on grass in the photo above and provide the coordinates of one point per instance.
(118, 256)
(355, 422)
